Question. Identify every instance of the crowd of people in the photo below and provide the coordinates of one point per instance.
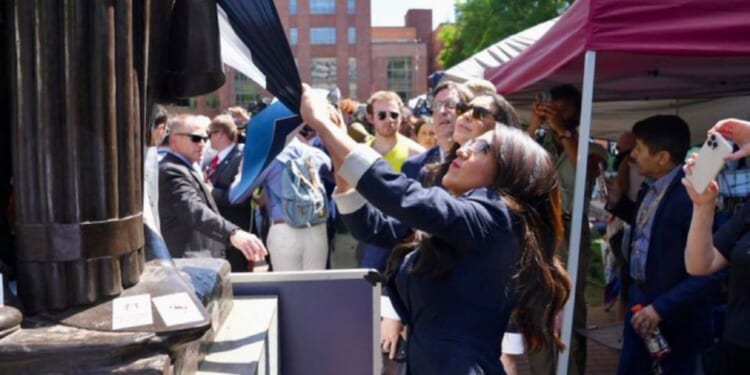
(466, 211)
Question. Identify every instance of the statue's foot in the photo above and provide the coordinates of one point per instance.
(10, 320)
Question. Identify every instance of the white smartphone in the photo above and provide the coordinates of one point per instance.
(710, 161)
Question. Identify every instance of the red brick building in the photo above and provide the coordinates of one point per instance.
(334, 44)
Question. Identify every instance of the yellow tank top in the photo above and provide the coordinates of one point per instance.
(397, 155)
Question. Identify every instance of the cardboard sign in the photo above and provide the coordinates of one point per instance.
(132, 311)
(177, 308)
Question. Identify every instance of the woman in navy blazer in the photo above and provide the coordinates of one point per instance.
(729, 247)
(486, 248)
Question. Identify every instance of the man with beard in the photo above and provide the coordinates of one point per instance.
(554, 123)
(384, 113)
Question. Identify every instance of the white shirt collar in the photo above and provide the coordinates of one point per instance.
(223, 153)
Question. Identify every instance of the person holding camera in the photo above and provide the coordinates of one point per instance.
(554, 124)
(708, 252)
(487, 248)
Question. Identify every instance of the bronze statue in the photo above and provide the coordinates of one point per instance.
(77, 82)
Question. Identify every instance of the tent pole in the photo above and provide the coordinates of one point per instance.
(580, 187)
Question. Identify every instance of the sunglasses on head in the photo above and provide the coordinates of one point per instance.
(479, 146)
(195, 138)
(382, 115)
(480, 113)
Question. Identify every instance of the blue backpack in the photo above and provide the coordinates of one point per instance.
(303, 198)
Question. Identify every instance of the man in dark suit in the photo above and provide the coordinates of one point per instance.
(221, 172)
(190, 222)
(449, 97)
(674, 302)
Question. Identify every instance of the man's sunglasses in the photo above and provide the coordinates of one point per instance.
(195, 138)
(382, 115)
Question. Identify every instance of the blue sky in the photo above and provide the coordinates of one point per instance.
(392, 12)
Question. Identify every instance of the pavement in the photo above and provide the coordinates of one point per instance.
(600, 359)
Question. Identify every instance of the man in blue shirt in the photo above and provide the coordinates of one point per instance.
(293, 248)
(674, 302)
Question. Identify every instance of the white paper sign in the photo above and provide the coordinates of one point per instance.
(177, 309)
(131, 311)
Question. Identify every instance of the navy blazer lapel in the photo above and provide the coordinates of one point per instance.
(676, 181)
(432, 156)
(224, 163)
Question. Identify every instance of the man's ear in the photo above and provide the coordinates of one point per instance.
(664, 158)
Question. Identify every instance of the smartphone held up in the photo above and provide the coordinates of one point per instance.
(543, 97)
(709, 162)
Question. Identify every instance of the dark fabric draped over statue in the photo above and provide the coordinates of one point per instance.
(191, 62)
(80, 95)
(257, 24)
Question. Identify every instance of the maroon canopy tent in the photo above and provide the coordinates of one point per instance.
(632, 50)
(645, 49)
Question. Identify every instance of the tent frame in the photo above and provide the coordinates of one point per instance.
(574, 244)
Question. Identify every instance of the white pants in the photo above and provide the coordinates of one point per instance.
(297, 249)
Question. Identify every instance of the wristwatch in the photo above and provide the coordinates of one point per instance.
(232, 232)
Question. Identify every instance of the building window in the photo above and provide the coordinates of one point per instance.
(292, 6)
(322, 35)
(352, 35)
(293, 36)
(351, 6)
(322, 6)
(245, 90)
(352, 75)
(323, 72)
(352, 71)
(353, 90)
(399, 72)
(212, 101)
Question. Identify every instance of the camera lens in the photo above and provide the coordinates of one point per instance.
(713, 137)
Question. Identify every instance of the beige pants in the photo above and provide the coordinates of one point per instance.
(297, 249)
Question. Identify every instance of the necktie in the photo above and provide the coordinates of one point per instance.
(212, 168)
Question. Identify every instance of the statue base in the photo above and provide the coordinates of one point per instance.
(46, 344)
(10, 320)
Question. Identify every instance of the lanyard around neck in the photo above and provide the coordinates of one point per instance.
(643, 217)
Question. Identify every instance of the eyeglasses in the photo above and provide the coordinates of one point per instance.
(479, 146)
(448, 104)
(195, 138)
(382, 115)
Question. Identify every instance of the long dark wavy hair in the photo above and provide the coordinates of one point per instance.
(527, 183)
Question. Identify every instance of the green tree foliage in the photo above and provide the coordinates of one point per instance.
(480, 23)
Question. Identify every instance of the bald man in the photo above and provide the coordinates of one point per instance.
(190, 222)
